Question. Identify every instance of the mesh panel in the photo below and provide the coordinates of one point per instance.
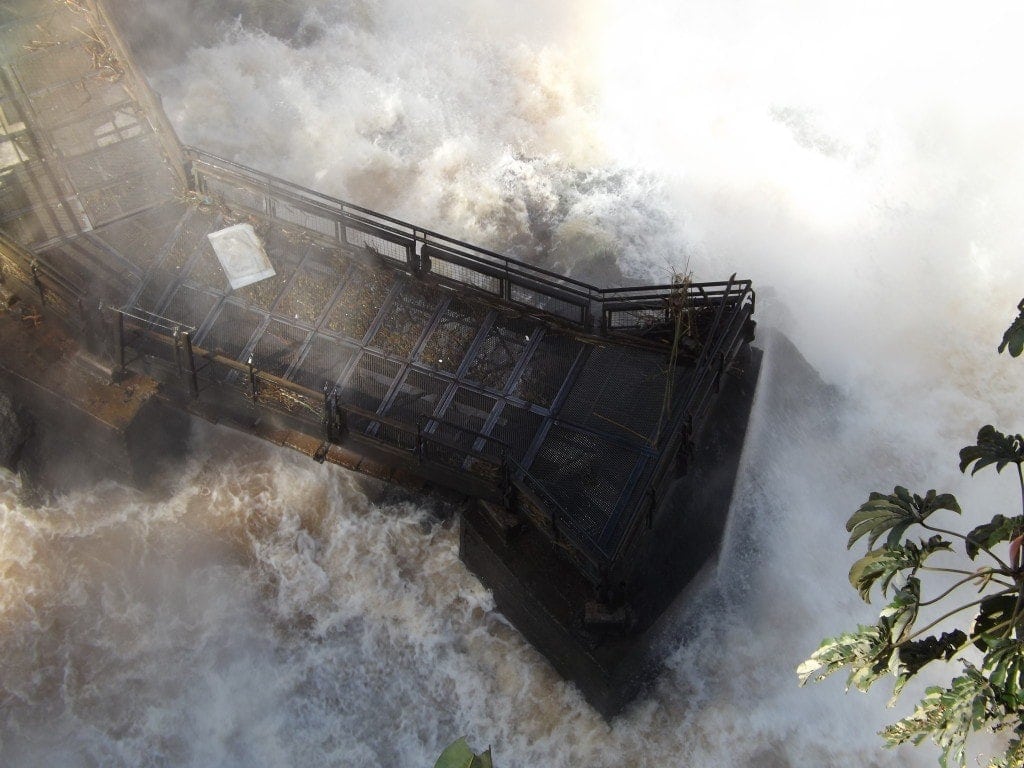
(451, 338)
(101, 129)
(125, 159)
(231, 330)
(619, 391)
(584, 474)
(323, 362)
(464, 275)
(151, 296)
(189, 307)
(379, 245)
(547, 368)
(36, 227)
(515, 428)
(636, 318)
(305, 219)
(308, 293)
(33, 26)
(465, 416)
(56, 65)
(264, 293)
(29, 185)
(415, 400)
(278, 347)
(87, 263)
(144, 237)
(359, 301)
(190, 237)
(235, 194)
(370, 381)
(418, 397)
(500, 351)
(16, 143)
(129, 195)
(77, 100)
(551, 304)
(409, 314)
(206, 269)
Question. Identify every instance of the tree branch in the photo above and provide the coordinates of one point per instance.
(987, 551)
(955, 611)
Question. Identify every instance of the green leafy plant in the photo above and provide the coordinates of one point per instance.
(988, 644)
(459, 755)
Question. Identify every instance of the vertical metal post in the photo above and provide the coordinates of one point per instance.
(177, 347)
(193, 379)
(506, 284)
(508, 488)
(119, 343)
(325, 418)
(37, 282)
(252, 378)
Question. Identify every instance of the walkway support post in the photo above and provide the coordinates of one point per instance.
(190, 358)
(119, 343)
(252, 378)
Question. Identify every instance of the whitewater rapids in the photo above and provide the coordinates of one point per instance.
(861, 164)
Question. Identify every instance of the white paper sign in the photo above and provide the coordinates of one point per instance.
(241, 254)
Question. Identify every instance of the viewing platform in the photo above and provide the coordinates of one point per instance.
(598, 430)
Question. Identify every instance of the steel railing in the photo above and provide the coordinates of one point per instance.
(421, 251)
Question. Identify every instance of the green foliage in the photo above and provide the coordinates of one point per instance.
(993, 447)
(895, 513)
(1013, 339)
(989, 696)
(948, 715)
(997, 530)
(885, 563)
(914, 654)
(459, 755)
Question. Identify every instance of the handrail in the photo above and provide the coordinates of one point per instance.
(732, 302)
(415, 249)
(412, 431)
(728, 342)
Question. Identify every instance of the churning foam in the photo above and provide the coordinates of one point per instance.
(861, 164)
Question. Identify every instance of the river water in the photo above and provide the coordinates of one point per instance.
(862, 164)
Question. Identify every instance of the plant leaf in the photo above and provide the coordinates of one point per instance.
(948, 715)
(993, 447)
(898, 617)
(895, 513)
(860, 649)
(869, 652)
(989, 534)
(993, 614)
(916, 654)
(1005, 664)
(459, 755)
(886, 562)
(1013, 338)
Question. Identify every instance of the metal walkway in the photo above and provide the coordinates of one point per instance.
(440, 354)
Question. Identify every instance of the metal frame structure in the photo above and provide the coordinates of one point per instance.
(470, 368)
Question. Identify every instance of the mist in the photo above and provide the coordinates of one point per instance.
(861, 164)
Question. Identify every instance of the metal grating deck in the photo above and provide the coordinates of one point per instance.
(423, 334)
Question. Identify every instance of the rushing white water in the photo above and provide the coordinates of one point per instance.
(861, 163)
